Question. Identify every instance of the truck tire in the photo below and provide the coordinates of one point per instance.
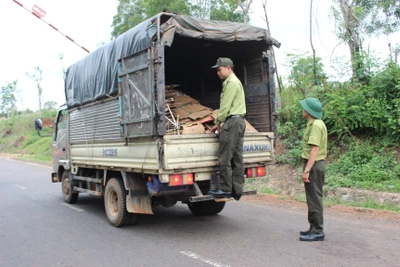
(115, 203)
(216, 207)
(133, 219)
(206, 207)
(67, 188)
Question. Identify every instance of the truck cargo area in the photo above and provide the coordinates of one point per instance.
(188, 64)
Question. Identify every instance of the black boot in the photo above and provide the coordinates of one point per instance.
(236, 196)
(219, 193)
(313, 237)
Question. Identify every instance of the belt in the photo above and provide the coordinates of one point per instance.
(306, 160)
(234, 116)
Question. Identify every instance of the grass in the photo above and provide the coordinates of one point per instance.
(267, 190)
(392, 185)
(301, 198)
(260, 184)
(18, 136)
(38, 158)
(367, 204)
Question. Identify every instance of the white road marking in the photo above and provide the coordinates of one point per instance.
(20, 186)
(200, 258)
(71, 207)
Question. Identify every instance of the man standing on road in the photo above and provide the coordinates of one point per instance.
(231, 126)
(314, 153)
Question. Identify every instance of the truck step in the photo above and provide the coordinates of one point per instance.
(223, 199)
(245, 193)
(201, 198)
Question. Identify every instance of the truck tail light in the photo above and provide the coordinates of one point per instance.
(189, 178)
(180, 179)
(175, 180)
(249, 172)
(261, 171)
(256, 172)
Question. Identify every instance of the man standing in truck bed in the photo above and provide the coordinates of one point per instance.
(230, 125)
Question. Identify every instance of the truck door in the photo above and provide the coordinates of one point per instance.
(260, 93)
(60, 139)
(137, 101)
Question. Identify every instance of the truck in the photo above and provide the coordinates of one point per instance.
(111, 140)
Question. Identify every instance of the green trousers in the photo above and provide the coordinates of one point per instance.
(230, 155)
(314, 194)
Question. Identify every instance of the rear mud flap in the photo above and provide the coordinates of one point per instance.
(139, 204)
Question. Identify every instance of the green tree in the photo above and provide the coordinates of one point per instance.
(200, 8)
(359, 17)
(306, 73)
(132, 12)
(301, 84)
(49, 105)
(37, 78)
(245, 7)
(383, 16)
(225, 10)
(8, 98)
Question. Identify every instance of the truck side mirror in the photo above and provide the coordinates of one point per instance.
(38, 125)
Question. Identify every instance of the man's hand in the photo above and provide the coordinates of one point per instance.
(305, 176)
(216, 129)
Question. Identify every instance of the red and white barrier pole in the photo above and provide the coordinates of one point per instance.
(39, 13)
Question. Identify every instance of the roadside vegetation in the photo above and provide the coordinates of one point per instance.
(363, 121)
(18, 136)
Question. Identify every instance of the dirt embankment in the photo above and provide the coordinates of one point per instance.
(286, 180)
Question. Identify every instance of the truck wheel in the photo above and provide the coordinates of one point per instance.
(199, 208)
(206, 207)
(216, 207)
(67, 188)
(133, 219)
(115, 203)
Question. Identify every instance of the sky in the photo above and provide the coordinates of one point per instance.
(27, 42)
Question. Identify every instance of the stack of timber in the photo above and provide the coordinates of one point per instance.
(185, 115)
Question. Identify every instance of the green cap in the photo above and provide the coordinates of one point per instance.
(223, 61)
(312, 106)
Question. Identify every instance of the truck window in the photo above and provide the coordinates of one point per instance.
(61, 122)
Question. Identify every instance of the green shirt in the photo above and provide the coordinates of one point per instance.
(317, 135)
(232, 99)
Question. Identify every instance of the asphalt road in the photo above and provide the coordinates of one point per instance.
(38, 229)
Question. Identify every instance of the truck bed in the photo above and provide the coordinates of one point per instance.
(170, 153)
(199, 151)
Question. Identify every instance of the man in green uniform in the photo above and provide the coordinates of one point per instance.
(230, 126)
(315, 142)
